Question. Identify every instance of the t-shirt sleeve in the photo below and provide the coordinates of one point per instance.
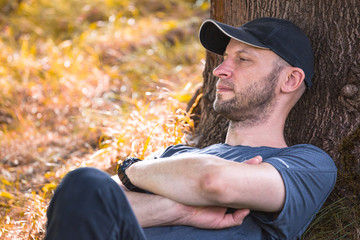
(309, 175)
(173, 150)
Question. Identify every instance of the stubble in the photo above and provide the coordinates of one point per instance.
(254, 104)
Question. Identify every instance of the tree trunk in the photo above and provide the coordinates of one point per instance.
(328, 115)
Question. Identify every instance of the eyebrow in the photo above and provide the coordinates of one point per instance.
(239, 52)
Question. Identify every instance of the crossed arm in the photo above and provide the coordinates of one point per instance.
(197, 189)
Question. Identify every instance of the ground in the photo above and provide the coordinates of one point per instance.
(88, 84)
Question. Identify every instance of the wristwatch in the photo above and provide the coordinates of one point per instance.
(122, 175)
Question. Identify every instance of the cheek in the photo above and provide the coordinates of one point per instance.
(243, 79)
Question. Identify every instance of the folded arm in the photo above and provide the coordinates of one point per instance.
(207, 180)
(154, 210)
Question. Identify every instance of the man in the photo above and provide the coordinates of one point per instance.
(253, 186)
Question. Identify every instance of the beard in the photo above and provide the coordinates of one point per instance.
(252, 105)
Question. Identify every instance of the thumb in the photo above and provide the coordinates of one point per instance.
(240, 214)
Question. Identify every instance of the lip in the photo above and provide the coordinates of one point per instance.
(223, 88)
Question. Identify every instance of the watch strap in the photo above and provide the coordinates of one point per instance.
(123, 177)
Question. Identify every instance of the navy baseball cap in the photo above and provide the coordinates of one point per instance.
(281, 36)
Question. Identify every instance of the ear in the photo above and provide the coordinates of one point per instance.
(295, 77)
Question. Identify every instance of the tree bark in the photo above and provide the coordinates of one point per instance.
(328, 115)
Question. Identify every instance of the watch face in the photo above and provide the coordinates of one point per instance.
(130, 160)
(126, 163)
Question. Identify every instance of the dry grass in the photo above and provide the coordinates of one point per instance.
(83, 84)
(338, 220)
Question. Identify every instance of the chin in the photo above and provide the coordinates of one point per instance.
(224, 96)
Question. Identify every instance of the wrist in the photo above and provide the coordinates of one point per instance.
(175, 214)
(123, 168)
(182, 213)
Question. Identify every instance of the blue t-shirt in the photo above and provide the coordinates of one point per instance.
(309, 175)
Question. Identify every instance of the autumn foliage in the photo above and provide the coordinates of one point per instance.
(86, 83)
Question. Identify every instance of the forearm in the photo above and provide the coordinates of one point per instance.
(178, 178)
(207, 180)
(153, 210)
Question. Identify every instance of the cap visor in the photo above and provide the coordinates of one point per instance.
(215, 36)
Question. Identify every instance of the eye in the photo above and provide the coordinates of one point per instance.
(242, 59)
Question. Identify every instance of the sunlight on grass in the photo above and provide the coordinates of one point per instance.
(150, 126)
(85, 83)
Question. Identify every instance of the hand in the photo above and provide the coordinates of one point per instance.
(213, 217)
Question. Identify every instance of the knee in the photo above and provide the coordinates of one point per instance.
(83, 181)
(85, 176)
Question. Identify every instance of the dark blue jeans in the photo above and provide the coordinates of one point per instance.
(88, 204)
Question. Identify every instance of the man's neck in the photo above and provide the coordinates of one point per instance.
(269, 133)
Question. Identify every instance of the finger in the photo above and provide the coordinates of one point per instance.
(240, 214)
(255, 160)
(234, 219)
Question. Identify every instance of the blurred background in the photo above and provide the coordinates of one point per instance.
(86, 83)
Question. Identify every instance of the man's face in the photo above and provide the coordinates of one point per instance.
(248, 77)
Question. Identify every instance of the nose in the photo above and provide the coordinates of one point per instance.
(223, 70)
